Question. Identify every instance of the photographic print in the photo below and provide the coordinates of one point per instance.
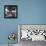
(10, 11)
(33, 32)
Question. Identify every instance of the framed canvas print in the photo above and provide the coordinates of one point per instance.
(10, 11)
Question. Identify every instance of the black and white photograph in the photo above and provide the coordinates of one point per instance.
(31, 34)
(10, 11)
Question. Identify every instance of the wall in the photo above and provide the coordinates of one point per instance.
(29, 12)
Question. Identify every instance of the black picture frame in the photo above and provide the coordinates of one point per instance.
(10, 11)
